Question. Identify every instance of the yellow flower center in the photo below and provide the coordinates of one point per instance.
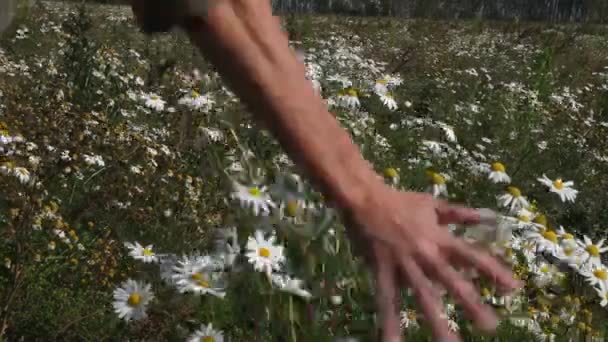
(292, 208)
(601, 274)
(390, 173)
(485, 292)
(4, 132)
(568, 251)
(381, 81)
(264, 252)
(498, 167)
(255, 192)
(154, 97)
(203, 283)
(581, 325)
(541, 219)
(544, 269)
(524, 218)
(197, 276)
(352, 92)
(593, 250)
(148, 252)
(134, 299)
(437, 179)
(195, 94)
(208, 339)
(550, 235)
(567, 236)
(411, 315)
(558, 184)
(515, 192)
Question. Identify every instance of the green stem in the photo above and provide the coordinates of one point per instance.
(291, 320)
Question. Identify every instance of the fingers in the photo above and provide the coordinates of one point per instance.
(387, 296)
(479, 259)
(430, 305)
(448, 213)
(462, 290)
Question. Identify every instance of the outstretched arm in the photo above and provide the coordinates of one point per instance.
(245, 42)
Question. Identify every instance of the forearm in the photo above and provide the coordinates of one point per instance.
(245, 43)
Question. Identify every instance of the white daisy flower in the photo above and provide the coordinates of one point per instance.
(198, 274)
(264, 254)
(388, 100)
(254, 197)
(290, 285)
(139, 252)
(349, 99)
(438, 187)
(513, 199)
(594, 274)
(593, 250)
(196, 101)
(206, 333)
(563, 189)
(570, 253)
(545, 239)
(22, 174)
(153, 101)
(131, 299)
(602, 291)
(381, 87)
(543, 273)
(499, 174)
(524, 219)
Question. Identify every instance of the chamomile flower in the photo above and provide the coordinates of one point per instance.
(388, 100)
(290, 285)
(513, 199)
(263, 254)
(139, 252)
(524, 218)
(196, 101)
(153, 101)
(543, 273)
(593, 250)
(22, 174)
(206, 333)
(198, 274)
(131, 299)
(381, 86)
(545, 239)
(594, 274)
(569, 253)
(563, 189)
(438, 186)
(392, 175)
(499, 174)
(254, 197)
(602, 291)
(349, 99)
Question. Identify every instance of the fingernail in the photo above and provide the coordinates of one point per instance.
(487, 216)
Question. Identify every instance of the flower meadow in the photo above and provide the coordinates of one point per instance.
(140, 200)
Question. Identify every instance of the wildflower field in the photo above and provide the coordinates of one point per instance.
(139, 200)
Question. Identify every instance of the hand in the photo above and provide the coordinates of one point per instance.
(407, 245)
